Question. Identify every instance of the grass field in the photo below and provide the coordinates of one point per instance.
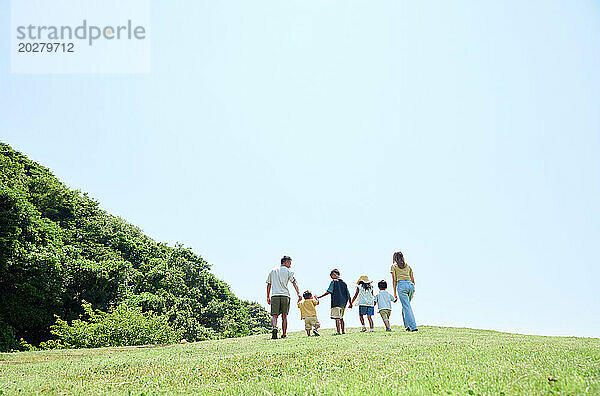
(435, 360)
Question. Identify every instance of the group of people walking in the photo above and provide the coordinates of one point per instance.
(403, 281)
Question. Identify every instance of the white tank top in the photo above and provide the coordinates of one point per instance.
(365, 297)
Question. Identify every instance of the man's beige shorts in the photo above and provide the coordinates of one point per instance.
(337, 312)
(385, 314)
(311, 322)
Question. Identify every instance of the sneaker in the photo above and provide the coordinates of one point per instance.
(283, 335)
(274, 334)
(415, 330)
(372, 331)
(363, 330)
(388, 329)
(407, 329)
(316, 333)
(337, 334)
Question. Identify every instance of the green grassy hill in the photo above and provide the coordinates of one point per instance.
(433, 361)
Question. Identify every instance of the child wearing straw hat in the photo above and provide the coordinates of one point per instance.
(366, 300)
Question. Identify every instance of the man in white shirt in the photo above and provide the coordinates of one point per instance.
(278, 295)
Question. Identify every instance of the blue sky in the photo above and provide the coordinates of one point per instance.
(465, 134)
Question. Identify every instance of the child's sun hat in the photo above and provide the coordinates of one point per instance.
(365, 279)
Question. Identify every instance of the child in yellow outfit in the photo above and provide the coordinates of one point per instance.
(309, 313)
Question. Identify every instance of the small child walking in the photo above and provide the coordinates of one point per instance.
(340, 296)
(308, 313)
(364, 293)
(384, 303)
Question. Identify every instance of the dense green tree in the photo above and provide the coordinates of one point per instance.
(58, 248)
(30, 276)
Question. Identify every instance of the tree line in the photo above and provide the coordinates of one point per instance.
(72, 275)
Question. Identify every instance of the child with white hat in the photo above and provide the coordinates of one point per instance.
(366, 300)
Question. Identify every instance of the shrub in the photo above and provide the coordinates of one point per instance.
(125, 325)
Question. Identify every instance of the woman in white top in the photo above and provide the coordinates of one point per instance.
(364, 293)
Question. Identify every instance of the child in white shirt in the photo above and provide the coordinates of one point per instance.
(384, 302)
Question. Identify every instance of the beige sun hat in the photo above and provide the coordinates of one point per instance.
(365, 279)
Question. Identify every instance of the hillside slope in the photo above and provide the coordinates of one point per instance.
(58, 249)
(433, 361)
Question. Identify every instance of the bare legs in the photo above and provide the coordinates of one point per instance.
(387, 324)
(274, 320)
(340, 326)
(283, 323)
(308, 330)
(369, 318)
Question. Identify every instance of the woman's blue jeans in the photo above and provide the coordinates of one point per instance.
(406, 289)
